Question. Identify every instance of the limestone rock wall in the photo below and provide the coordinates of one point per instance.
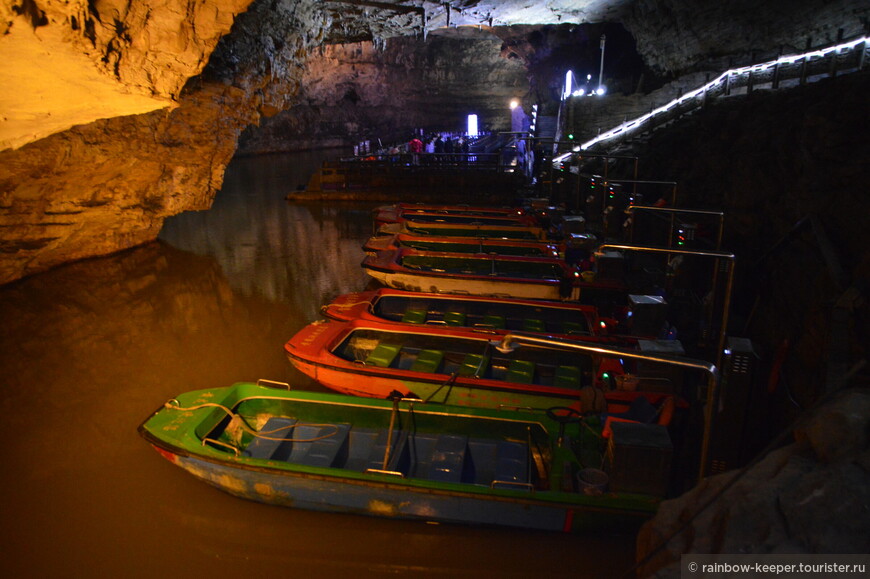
(71, 62)
(677, 37)
(107, 185)
(356, 91)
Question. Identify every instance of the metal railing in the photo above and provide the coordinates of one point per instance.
(849, 56)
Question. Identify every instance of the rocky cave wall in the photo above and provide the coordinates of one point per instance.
(360, 91)
(105, 185)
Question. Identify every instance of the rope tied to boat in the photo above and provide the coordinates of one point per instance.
(173, 404)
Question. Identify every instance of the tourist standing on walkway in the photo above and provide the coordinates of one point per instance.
(416, 147)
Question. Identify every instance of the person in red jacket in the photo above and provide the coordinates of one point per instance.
(416, 147)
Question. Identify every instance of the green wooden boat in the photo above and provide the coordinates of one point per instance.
(400, 458)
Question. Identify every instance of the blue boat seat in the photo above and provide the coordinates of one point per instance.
(512, 464)
(474, 365)
(533, 325)
(454, 318)
(448, 457)
(414, 316)
(427, 361)
(398, 460)
(521, 371)
(567, 377)
(274, 431)
(492, 321)
(322, 452)
(383, 355)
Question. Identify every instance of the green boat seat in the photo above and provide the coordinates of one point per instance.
(321, 452)
(265, 447)
(474, 365)
(447, 458)
(533, 325)
(574, 328)
(567, 377)
(454, 318)
(383, 355)
(414, 316)
(427, 361)
(521, 371)
(493, 322)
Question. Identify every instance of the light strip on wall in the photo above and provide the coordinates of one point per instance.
(791, 59)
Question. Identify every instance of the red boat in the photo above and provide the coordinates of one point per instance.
(501, 314)
(465, 245)
(459, 366)
(534, 278)
(400, 211)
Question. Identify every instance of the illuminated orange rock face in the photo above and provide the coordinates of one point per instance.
(106, 185)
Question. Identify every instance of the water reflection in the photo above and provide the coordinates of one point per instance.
(90, 349)
(299, 254)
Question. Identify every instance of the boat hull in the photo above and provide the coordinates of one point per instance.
(394, 501)
(421, 282)
(425, 480)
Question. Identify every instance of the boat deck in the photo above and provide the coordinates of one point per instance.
(457, 458)
(445, 355)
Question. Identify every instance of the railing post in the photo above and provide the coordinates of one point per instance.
(774, 83)
(803, 80)
(728, 77)
(749, 74)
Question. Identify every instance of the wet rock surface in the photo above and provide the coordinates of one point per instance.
(810, 496)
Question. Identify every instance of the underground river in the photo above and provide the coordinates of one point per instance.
(90, 349)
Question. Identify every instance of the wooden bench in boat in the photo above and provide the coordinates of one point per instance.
(438, 457)
(567, 377)
(414, 316)
(383, 355)
(533, 325)
(287, 440)
(427, 361)
(474, 365)
(521, 371)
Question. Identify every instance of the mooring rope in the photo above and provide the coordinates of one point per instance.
(173, 404)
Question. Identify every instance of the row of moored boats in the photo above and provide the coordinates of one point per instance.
(504, 373)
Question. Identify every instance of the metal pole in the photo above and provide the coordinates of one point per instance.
(507, 341)
(601, 68)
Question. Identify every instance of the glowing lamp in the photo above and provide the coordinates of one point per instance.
(472, 125)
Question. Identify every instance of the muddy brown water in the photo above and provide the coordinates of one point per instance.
(89, 350)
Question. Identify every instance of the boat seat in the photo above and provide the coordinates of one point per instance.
(521, 371)
(512, 464)
(265, 447)
(573, 328)
(533, 325)
(448, 457)
(567, 377)
(492, 321)
(474, 365)
(321, 452)
(427, 361)
(398, 459)
(414, 316)
(454, 318)
(383, 355)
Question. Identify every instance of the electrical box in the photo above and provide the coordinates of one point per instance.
(610, 265)
(739, 415)
(648, 315)
(640, 458)
(656, 376)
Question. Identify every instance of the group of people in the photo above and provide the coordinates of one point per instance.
(437, 144)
